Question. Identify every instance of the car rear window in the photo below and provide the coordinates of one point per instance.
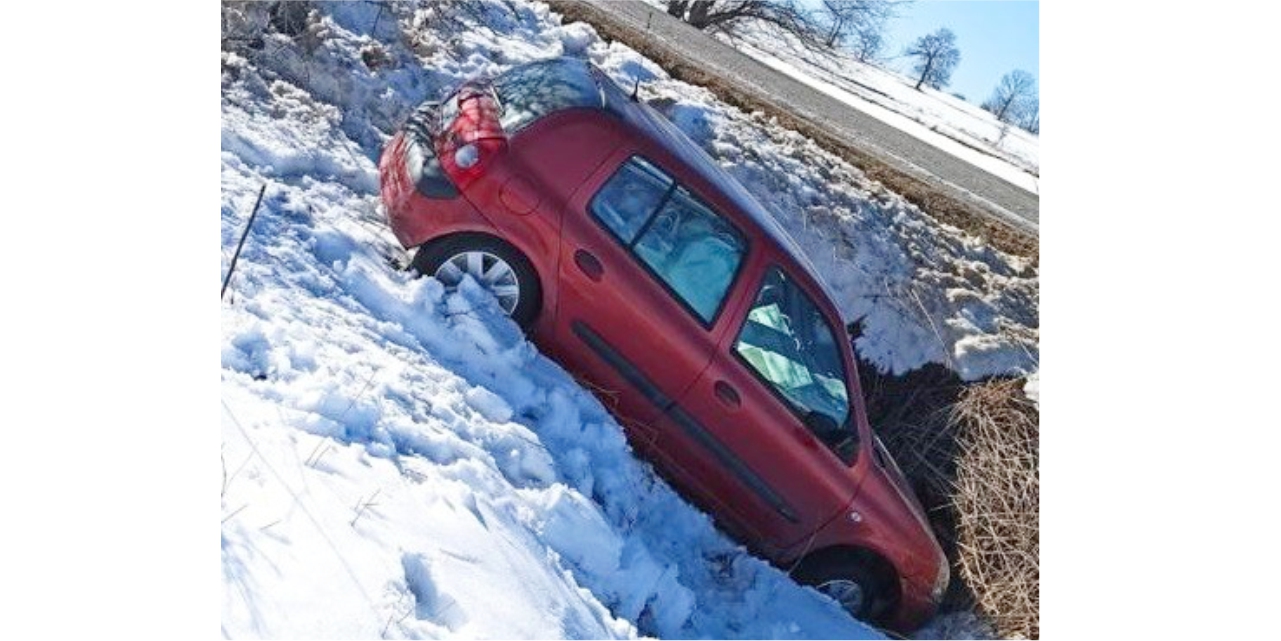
(694, 251)
(531, 91)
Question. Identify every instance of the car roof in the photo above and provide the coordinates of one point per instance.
(647, 121)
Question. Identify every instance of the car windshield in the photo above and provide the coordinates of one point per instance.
(529, 92)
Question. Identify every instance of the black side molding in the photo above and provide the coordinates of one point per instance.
(630, 372)
(696, 431)
(687, 423)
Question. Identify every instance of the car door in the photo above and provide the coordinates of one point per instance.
(777, 396)
(644, 270)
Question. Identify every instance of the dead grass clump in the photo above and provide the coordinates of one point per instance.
(996, 499)
(971, 453)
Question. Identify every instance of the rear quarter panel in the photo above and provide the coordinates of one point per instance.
(414, 218)
(526, 193)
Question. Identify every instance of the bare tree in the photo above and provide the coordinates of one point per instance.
(725, 15)
(1011, 95)
(867, 46)
(1030, 119)
(937, 55)
(856, 23)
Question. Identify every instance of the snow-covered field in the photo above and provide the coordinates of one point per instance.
(401, 463)
(936, 117)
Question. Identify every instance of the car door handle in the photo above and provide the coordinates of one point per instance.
(727, 394)
(588, 264)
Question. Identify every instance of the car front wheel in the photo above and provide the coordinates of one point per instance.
(856, 585)
(494, 264)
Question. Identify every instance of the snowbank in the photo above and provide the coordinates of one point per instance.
(398, 462)
(945, 121)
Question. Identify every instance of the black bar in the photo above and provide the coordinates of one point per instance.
(625, 367)
(236, 256)
(688, 423)
(696, 431)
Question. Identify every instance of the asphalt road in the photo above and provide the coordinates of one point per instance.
(947, 173)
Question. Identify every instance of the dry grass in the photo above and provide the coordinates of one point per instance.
(972, 453)
(997, 503)
(941, 206)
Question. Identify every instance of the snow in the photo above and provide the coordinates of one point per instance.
(399, 462)
(1033, 388)
(992, 164)
(949, 122)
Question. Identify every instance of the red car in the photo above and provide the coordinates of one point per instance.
(631, 258)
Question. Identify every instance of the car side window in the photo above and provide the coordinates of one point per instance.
(690, 248)
(630, 197)
(790, 345)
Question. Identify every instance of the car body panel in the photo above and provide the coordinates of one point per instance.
(768, 436)
(631, 312)
(875, 519)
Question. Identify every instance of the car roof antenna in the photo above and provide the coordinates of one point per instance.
(635, 89)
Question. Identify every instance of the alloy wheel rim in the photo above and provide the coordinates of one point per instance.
(488, 270)
(845, 592)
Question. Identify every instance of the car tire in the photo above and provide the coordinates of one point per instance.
(859, 586)
(492, 262)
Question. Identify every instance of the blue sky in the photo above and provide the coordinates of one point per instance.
(995, 37)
